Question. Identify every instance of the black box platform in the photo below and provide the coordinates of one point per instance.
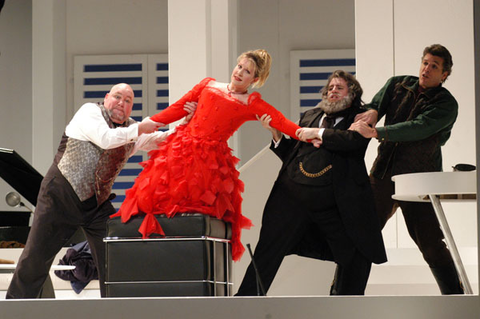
(193, 259)
(185, 225)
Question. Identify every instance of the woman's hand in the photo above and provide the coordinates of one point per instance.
(316, 142)
(306, 134)
(309, 134)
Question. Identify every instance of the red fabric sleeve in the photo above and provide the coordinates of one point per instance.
(279, 121)
(175, 111)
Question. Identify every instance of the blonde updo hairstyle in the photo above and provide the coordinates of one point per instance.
(262, 62)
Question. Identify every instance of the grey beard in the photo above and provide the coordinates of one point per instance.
(113, 117)
(334, 107)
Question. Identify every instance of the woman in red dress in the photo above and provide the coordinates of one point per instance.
(193, 170)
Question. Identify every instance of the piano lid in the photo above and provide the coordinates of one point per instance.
(19, 174)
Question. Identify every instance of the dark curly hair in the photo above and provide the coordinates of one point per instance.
(354, 87)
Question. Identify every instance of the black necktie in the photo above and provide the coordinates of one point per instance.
(328, 122)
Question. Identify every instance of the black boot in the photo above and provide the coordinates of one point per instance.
(448, 280)
(352, 278)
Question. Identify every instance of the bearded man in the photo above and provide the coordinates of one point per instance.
(321, 205)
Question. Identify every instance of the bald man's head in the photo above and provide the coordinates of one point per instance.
(119, 102)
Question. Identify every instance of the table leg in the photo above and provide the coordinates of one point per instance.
(450, 243)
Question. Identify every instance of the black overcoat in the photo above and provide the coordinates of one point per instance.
(352, 191)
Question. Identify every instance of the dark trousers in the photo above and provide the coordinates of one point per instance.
(423, 227)
(289, 213)
(57, 216)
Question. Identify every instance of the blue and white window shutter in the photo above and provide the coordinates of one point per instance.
(309, 71)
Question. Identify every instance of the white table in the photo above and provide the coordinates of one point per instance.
(436, 186)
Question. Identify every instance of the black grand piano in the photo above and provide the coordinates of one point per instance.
(19, 174)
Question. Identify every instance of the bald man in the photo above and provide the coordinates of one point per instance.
(75, 192)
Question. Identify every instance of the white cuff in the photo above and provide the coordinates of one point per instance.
(320, 132)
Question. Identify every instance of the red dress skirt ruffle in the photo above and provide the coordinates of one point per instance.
(188, 174)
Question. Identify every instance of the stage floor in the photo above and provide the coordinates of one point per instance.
(438, 307)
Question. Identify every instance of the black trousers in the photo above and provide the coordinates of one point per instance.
(288, 215)
(424, 228)
(57, 216)
(422, 223)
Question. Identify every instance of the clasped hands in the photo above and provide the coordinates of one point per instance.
(309, 134)
(303, 133)
(149, 126)
(364, 125)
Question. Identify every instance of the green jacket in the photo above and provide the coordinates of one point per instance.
(416, 126)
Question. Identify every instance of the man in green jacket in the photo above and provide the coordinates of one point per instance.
(419, 116)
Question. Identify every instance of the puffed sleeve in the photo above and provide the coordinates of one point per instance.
(279, 121)
(175, 111)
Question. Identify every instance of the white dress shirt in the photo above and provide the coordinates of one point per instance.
(88, 124)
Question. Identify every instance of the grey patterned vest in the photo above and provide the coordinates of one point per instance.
(90, 169)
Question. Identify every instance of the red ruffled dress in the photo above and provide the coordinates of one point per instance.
(193, 170)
